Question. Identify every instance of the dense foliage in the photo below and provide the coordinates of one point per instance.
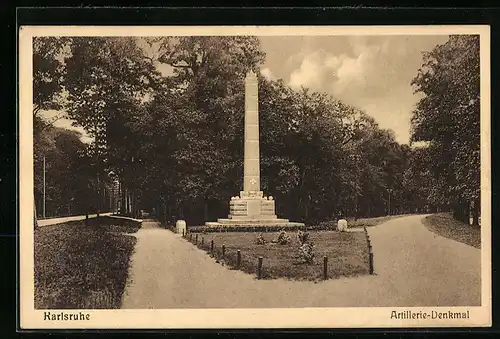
(175, 138)
(447, 117)
(68, 181)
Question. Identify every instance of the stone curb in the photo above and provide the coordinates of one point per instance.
(125, 218)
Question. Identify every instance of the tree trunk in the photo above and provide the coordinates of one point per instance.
(98, 198)
(119, 204)
(87, 207)
(461, 212)
(129, 202)
(476, 212)
(134, 205)
(87, 204)
(356, 207)
(205, 206)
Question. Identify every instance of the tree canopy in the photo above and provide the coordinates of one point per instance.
(175, 138)
(448, 118)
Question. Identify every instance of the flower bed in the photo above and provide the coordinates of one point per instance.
(347, 253)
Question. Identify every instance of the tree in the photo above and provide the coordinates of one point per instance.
(202, 114)
(447, 117)
(67, 175)
(108, 80)
(318, 155)
(48, 72)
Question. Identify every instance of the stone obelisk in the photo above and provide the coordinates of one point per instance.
(251, 207)
(251, 169)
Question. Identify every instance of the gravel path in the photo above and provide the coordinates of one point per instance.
(413, 266)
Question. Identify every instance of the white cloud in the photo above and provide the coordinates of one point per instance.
(308, 74)
(266, 73)
(332, 61)
(60, 121)
(67, 124)
(373, 74)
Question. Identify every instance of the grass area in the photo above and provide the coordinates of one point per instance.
(80, 266)
(361, 222)
(111, 224)
(444, 225)
(347, 254)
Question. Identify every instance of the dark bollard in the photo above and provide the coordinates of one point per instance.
(259, 269)
(183, 233)
(325, 267)
(196, 238)
(238, 259)
(212, 246)
(190, 237)
(202, 241)
(223, 250)
(371, 258)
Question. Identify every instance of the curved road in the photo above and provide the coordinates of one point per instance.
(413, 266)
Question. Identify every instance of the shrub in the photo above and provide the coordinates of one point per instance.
(261, 240)
(306, 253)
(303, 237)
(327, 225)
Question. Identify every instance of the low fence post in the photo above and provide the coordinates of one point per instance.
(212, 246)
(223, 250)
(238, 259)
(325, 267)
(259, 268)
(370, 253)
(202, 241)
(196, 237)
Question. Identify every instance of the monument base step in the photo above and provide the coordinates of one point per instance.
(228, 225)
(251, 221)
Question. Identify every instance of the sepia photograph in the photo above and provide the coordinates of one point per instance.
(257, 177)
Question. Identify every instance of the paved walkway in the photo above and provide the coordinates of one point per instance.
(414, 267)
(54, 221)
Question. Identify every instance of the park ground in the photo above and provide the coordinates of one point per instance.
(347, 253)
(444, 225)
(81, 266)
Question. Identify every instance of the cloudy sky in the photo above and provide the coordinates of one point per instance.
(372, 73)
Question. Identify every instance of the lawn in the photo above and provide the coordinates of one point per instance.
(361, 222)
(80, 266)
(347, 254)
(444, 225)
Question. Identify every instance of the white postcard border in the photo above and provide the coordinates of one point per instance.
(350, 317)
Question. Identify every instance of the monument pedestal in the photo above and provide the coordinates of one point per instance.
(252, 209)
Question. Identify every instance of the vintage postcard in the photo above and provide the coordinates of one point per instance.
(254, 177)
